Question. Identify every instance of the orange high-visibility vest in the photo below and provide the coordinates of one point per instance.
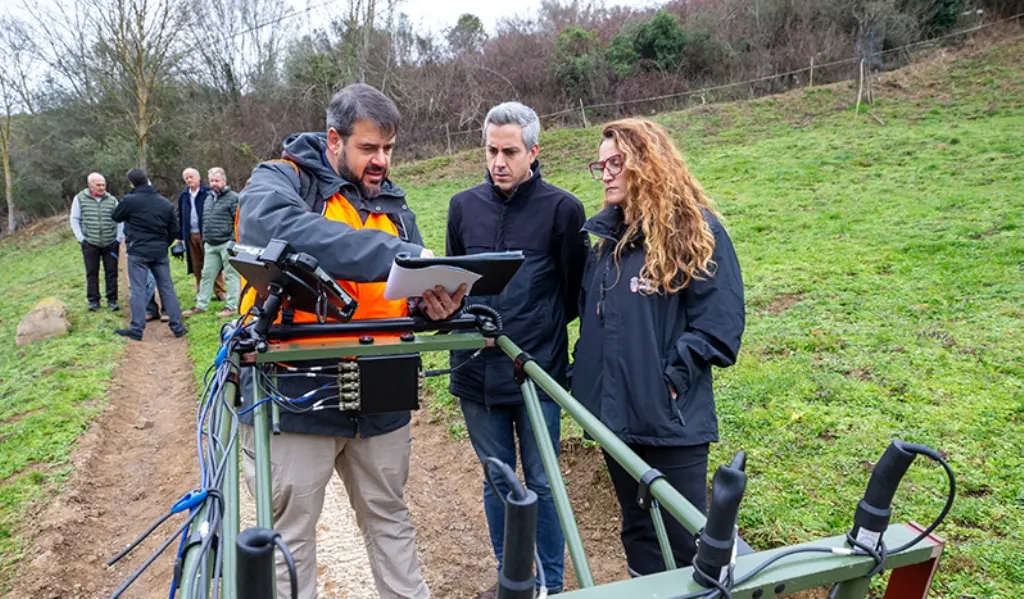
(370, 296)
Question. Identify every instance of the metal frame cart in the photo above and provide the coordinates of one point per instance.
(216, 559)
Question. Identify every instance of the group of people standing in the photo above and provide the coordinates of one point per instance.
(199, 228)
(659, 296)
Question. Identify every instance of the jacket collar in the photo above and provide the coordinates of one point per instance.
(609, 223)
(520, 189)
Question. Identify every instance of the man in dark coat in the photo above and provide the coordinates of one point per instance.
(150, 228)
(191, 205)
(515, 209)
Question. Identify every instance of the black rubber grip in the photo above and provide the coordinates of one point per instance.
(255, 575)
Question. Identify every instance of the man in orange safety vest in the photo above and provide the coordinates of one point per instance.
(330, 196)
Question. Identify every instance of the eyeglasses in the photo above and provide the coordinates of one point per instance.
(612, 163)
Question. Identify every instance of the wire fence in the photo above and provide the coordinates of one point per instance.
(448, 136)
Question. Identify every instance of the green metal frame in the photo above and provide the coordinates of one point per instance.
(803, 571)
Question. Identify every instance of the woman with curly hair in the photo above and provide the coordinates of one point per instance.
(662, 303)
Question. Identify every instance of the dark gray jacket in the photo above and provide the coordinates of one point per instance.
(150, 224)
(219, 216)
(278, 203)
(633, 346)
(541, 299)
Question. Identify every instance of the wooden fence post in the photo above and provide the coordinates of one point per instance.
(811, 84)
(583, 113)
(860, 89)
(448, 136)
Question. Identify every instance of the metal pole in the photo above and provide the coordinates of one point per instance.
(229, 530)
(669, 498)
(261, 417)
(558, 492)
(662, 534)
(854, 589)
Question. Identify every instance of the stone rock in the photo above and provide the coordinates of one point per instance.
(48, 319)
(143, 423)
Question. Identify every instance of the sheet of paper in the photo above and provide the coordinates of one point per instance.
(412, 282)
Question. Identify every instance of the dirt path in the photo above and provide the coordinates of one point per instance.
(137, 458)
(131, 465)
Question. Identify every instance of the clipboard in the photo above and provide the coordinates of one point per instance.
(490, 272)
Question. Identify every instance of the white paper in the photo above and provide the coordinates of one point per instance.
(412, 282)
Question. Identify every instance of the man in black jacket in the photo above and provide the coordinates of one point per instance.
(150, 228)
(515, 209)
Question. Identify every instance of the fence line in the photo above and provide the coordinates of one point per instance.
(705, 90)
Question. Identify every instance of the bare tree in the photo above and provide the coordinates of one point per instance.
(238, 43)
(15, 96)
(137, 47)
(118, 50)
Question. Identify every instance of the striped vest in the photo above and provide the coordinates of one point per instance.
(97, 226)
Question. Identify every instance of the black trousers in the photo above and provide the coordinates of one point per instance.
(686, 469)
(93, 255)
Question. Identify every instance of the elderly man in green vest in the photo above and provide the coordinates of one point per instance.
(100, 238)
(218, 224)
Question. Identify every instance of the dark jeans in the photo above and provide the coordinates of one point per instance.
(138, 269)
(686, 469)
(93, 255)
(152, 307)
(493, 431)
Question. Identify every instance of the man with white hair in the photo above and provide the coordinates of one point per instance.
(218, 230)
(191, 202)
(100, 238)
(515, 209)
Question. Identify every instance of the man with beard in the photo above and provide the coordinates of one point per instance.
(330, 197)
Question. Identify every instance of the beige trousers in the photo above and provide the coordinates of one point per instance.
(374, 470)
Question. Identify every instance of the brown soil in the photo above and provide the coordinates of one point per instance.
(130, 466)
(445, 496)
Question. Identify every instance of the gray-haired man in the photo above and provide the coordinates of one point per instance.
(218, 230)
(100, 238)
(514, 209)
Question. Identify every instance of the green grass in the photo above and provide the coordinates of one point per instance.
(900, 255)
(884, 273)
(50, 390)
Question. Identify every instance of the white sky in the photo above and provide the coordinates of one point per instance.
(436, 15)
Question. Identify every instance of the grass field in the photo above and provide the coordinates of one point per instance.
(884, 273)
(49, 391)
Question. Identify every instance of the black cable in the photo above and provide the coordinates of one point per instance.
(439, 372)
(718, 586)
(483, 310)
(520, 491)
(292, 572)
(950, 496)
(152, 558)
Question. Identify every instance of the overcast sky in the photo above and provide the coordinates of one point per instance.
(437, 15)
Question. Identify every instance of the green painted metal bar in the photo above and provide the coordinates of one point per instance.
(261, 429)
(857, 588)
(321, 350)
(190, 560)
(674, 503)
(789, 575)
(229, 528)
(558, 492)
(662, 534)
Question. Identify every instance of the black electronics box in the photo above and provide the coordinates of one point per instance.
(389, 383)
